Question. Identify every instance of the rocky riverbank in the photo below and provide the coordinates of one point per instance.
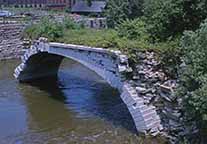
(158, 89)
(11, 45)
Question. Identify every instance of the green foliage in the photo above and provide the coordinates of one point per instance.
(32, 32)
(90, 37)
(194, 76)
(129, 36)
(133, 30)
(46, 28)
(137, 37)
(50, 29)
(170, 56)
(164, 18)
(70, 24)
(169, 18)
(118, 10)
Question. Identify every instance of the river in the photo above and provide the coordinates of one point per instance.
(77, 107)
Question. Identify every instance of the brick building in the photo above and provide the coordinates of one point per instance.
(50, 4)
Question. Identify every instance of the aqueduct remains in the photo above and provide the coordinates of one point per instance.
(44, 58)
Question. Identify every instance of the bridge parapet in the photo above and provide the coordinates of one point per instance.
(44, 58)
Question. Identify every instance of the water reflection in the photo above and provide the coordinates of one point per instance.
(77, 107)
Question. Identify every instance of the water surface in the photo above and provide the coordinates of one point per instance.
(77, 107)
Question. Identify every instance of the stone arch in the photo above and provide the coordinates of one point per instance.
(44, 58)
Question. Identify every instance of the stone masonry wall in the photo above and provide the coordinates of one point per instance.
(10, 40)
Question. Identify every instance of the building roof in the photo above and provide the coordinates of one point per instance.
(82, 6)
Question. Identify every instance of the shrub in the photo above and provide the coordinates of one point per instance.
(133, 30)
(194, 77)
(71, 24)
(163, 17)
(32, 32)
(118, 10)
(46, 28)
(50, 29)
(169, 56)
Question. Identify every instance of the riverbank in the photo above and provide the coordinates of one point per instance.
(157, 88)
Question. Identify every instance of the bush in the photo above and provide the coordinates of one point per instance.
(163, 17)
(46, 28)
(133, 30)
(170, 56)
(118, 10)
(50, 29)
(32, 32)
(71, 24)
(194, 77)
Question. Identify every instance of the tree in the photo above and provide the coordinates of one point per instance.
(118, 10)
(171, 17)
(193, 88)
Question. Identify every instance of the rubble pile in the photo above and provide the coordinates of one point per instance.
(158, 90)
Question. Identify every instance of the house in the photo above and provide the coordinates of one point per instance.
(95, 10)
(82, 7)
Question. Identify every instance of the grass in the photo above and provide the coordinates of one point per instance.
(108, 38)
(104, 38)
(90, 37)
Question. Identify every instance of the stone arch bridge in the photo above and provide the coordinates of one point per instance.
(44, 58)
